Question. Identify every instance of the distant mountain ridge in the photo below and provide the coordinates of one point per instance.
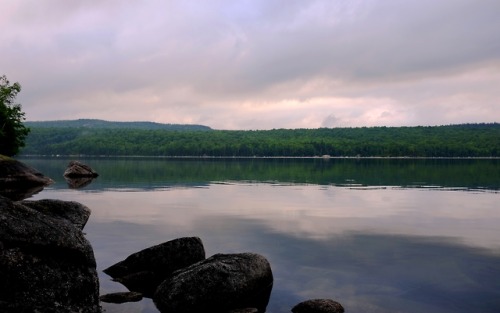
(100, 124)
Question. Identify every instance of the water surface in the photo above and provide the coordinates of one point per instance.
(375, 235)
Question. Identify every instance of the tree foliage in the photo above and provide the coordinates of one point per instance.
(466, 140)
(12, 130)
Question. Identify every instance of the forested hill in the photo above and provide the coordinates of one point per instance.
(467, 140)
(94, 123)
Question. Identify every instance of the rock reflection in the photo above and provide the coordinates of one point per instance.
(18, 194)
(78, 182)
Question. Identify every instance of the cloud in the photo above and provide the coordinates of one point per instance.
(215, 62)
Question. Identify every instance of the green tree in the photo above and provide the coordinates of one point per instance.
(12, 130)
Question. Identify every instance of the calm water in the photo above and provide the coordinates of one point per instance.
(375, 235)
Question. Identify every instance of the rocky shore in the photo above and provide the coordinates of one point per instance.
(47, 264)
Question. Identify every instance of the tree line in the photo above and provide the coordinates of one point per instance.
(464, 140)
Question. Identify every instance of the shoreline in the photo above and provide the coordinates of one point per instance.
(28, 156)
(88, 156)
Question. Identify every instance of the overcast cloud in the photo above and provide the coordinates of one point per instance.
(255, 64)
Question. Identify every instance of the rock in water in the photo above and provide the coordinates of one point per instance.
(78, 169)
(121, 297)
(318, 306)
(143, 271)
(223, 282)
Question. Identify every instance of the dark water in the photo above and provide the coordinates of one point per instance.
(376, 235)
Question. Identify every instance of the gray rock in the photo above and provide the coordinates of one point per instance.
(77, 213)
(318, 306)
(143, 271)
(221, 283)
(22, 226)
(46, 264)
(78, 169)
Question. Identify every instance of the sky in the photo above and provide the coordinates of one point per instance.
(258, 64)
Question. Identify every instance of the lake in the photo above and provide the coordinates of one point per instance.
(376, 235)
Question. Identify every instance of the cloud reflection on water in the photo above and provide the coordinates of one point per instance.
(366, 272)
(383, 250)
(310, 211)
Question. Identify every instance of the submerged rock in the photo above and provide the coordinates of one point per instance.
(78, 169)
(318, 306)
(46, 264)
(221, 283)
(121, 297)
(143, 271)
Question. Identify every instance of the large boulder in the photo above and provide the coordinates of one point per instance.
(18, 180)
(143, 271)
(78, 169)
(221, 283)
(46, 263)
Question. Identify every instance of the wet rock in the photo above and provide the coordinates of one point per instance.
(78, 169)
(121, 297)
(318, 306)
(46, 264)
(221, 283)
(19, 181)
(145, 270)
